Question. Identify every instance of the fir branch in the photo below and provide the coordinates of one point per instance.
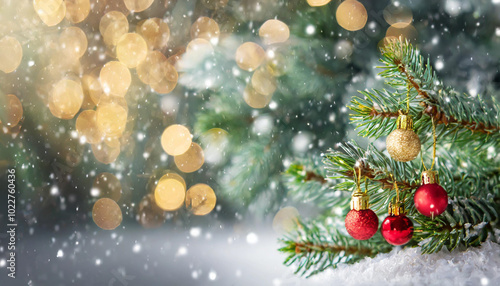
(466, 221)
(316, 247)
(443, 104)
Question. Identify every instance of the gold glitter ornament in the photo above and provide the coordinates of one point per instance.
(403, 143)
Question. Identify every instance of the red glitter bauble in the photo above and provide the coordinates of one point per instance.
(397, 229)
(361, 224)
(431, 200)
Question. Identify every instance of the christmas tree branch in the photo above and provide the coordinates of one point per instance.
(315, 247)
(467, 222)
(453, 113)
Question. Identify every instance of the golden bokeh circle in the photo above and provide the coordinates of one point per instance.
(155, 32)
(73, 42)
(263, 81)
(155, 68)
(274, 31)
(169, 78)
(351, 15)
(113, 26)
(249, 56)
(107, 214)
(403, 30)
(111, 118)
(86, 125)
(11, 54)
(317, 3)
(397, 14)
(200, 199)
(137, 5)
(65, 99)
(92, 88)
(285, 220)
(12, 110)
(107, 151)
(131, 49)
(205, 28)
(115, 78)
(191, 160)
(176, 139)
(51, 12)
(108, 186)
(175, 176)
(170, 194)
(255, 99)
(77, 10)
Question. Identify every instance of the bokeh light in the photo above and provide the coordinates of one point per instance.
(205, 28)
(107, 151)
(111, 117)
(155, 68)
(73, 42)
(65, 99)
(77, 10)
(351, 15)
(318, 3)
(107, 214)
(11, 54)
(169, 194)
(51, 12)
(113, 26)
(138, 5)
(286, 220)
(255, 99)
(263, 81)
(404, 30)
(155, 32)
(11, 110)
(397, 14)
(131, 49)
(176, 140)
(86, 125)
(274, 31)
(191, 160)
(92, 88)
(249, 56)
(115, 78)
(200, 199)
(106, 185)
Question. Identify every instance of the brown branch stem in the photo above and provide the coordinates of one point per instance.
(437, 114)
(301, 247)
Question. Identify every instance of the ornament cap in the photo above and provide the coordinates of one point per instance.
(360, 201)
(396, 209)
(430, 177)
(404, 122)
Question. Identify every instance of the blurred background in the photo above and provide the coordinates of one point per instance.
(153, 141)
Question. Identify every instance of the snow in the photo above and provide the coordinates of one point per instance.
(474, 266)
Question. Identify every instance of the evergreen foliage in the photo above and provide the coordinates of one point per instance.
(468, 137)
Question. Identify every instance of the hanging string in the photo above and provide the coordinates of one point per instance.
(408, 98)
(358, 178)
(434, 138)
(395, 184)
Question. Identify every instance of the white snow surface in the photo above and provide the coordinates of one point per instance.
(474, 266)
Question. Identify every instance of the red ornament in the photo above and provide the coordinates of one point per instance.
(430, 199)
(362, 224)
(397, 229)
